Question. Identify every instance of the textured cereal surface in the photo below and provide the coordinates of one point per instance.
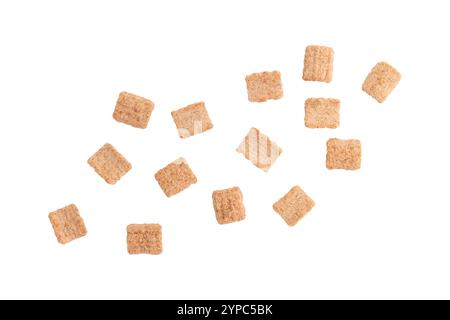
(228, 205)
(259, 149)
(322, 113)
(343, 154)
(192, 120)
(175, 177)
(109, 164)
(67, 224)
(133, 110)
(318, 64)
(264, 86)
(293, 206)
(144, 239)
(381, 81)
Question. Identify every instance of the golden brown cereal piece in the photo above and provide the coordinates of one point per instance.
(67, 224)
(318, 64)
(381, 81)
(192, 120)
(264, 86)
(109, 164)
(293, 206)
(322, 113)
(133, 110)
(259, 149)
(343, 154)
(175, 177)
(228, 205)
(144, 239)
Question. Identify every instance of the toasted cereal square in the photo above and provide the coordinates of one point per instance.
(175, 177)
(109, 164)
(318, 64)
(67, 224)
(322, 113)
(343, 154)
(259, 149)
(192, 120)
(264, 86)
(381, 81)
(144, 239)
(133, 110)
(293, 206)
(228, 205)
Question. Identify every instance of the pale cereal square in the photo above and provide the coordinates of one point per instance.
(264, 86)
(109, 164)
(228, 205)
(318, 64)
(133, 110)
(175, 177)
(322, 113)
(343, 154)
(381, 81)
(67, 224)
(192, 120)
(144, 239)
(293, 206)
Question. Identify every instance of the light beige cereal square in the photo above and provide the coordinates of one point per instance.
(192, 120)
(67, 224)
(293, 206)
(318, 64)
(264, 86)
(322, 113)
(133, 110)
(259, 149)
(343, 154)
(175, 177)
(109, 164)
(381, 81)
(144, 239)
(228, 205)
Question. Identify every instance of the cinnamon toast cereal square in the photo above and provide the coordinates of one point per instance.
(109, 164)
(264, 86)
(67, 224)
(133, 110)
(192, 120)
(318, 64)
(381, 81)
(322, 113)
(175, 177)
(343, 154)
(259, 149)
(144, 239)
(293, 206)
(228, 205)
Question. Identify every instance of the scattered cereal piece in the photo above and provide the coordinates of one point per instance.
(381, 81)
(133, 110)
(192, 120)
(144, 239)
(293, 206)
(228, 205)
(322, 113)
(175, 177)
(318, 64)
(259, 149)
(67, 224)
(343, 154)
(109, 164)
(264, 86)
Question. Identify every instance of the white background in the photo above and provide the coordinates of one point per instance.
(380, 232)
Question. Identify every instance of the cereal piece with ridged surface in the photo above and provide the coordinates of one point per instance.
(293, 206)
(192, 120)
(343, 154)
(264, 86)
(133, 110)
(322, 113)
(67, 224)
(175, 177)
(144, 239)
(228, 205)
(318, 64)
(381, 81)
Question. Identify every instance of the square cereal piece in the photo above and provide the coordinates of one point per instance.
(318, 64)
(67, 224)
(228, 205)
(259, 149)
(144, 239)
(192, 120)
(109, 164)
(343, 154)
(175, 177)
(381, 81)
(322, 113)
(264, 86)
(293, 206)
(133, 110)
